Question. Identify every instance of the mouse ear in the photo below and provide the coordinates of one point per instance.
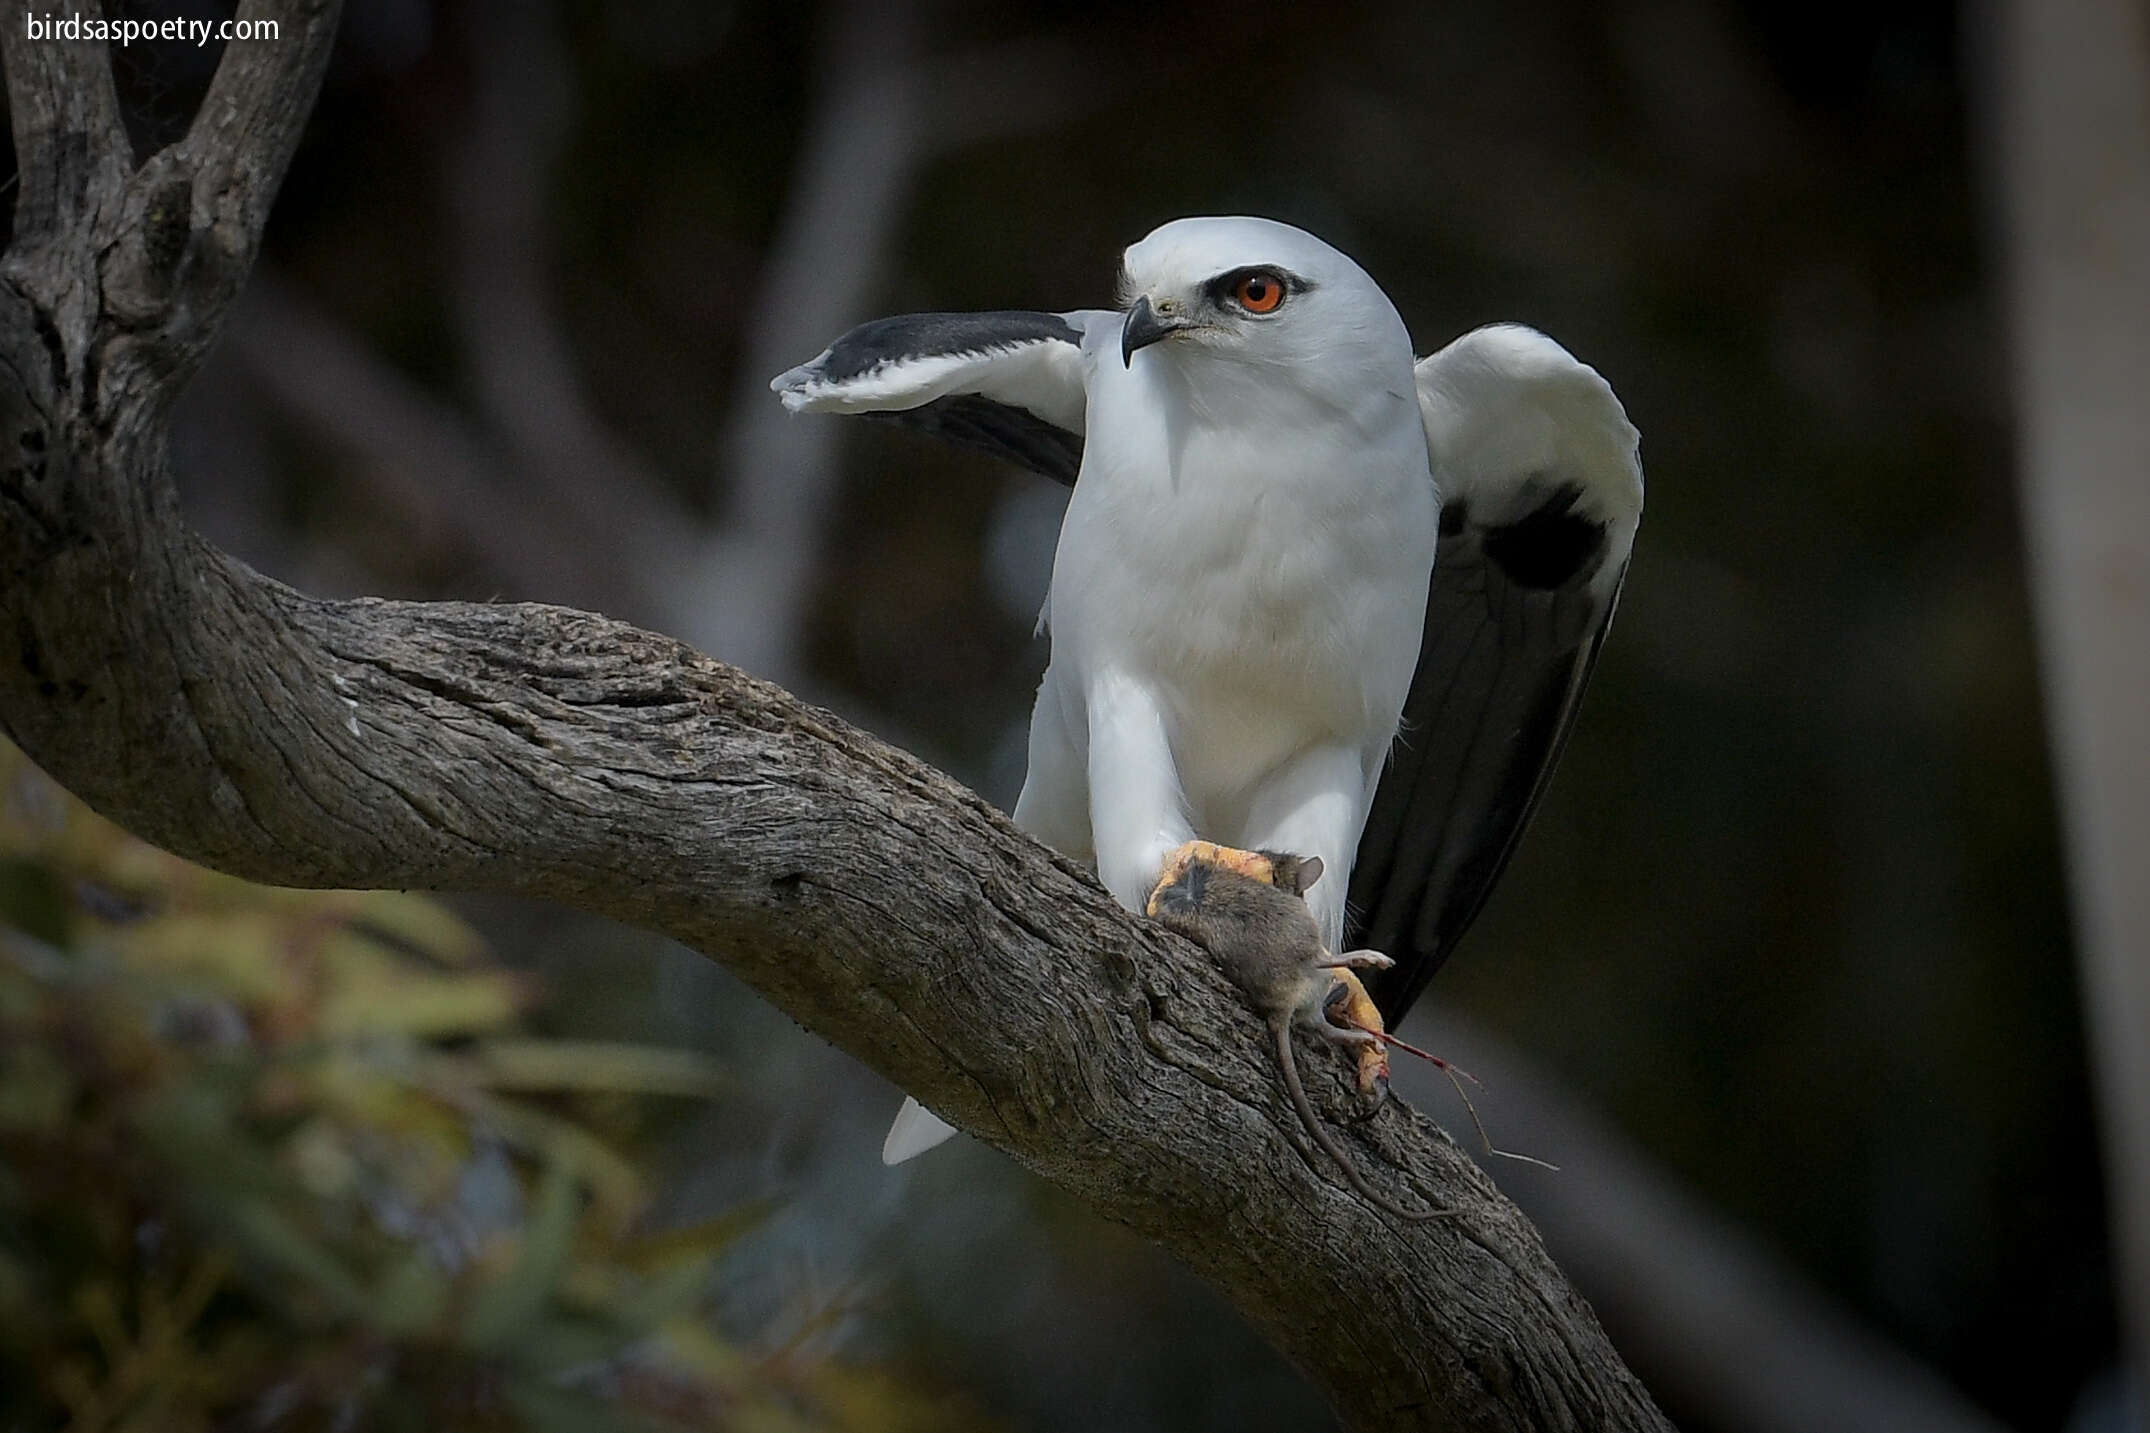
(1297, 874)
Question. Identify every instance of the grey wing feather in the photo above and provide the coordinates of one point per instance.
(1541, 495)
(1009, 382)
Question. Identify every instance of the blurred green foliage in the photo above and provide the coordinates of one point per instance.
(283, 1159)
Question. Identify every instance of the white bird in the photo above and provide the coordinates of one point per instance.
(1309, 596)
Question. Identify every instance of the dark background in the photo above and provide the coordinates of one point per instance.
(1793, 915)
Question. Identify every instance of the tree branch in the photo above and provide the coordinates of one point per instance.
(571, 758)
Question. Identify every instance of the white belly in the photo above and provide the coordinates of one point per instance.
(1271, 587)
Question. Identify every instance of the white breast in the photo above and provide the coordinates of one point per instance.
(1269, 576)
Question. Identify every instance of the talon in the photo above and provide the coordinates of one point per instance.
(1373, 1068)
(1350, 1006)
(1371, 1100)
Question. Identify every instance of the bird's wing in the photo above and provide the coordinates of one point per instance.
(1541, 490)
(1008, 382)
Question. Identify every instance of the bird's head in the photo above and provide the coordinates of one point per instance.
(1258, 292)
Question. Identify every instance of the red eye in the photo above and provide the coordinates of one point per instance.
(1259, 293)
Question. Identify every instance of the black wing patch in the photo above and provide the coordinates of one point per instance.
(937, 335)
(1002, 429)
(1513, 625)
(1551, 545)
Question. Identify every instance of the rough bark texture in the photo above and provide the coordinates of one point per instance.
(574, 759)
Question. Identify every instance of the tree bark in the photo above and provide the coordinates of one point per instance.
(571, 758)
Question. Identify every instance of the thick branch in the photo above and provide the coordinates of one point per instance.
(571, 758)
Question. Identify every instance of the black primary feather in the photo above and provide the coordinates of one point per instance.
(912, 336)
(1002, 429)
(1513, 626)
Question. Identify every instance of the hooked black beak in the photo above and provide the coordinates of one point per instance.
(1144, 328)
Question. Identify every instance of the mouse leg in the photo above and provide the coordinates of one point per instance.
(1356, 960)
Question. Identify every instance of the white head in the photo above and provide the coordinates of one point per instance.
(1242, 291)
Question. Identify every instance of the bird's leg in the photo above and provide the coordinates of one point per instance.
(1352, 1009)
(1349, 1003)
(1316, 802)
(1138, 816)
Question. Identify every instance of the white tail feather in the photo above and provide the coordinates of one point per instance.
(916, 1130)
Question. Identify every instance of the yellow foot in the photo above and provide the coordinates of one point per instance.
(1350, 1006)
(1271, 868)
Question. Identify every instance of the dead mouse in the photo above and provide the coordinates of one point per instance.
(1262, 933)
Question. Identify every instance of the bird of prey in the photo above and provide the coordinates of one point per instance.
(1310, 596)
